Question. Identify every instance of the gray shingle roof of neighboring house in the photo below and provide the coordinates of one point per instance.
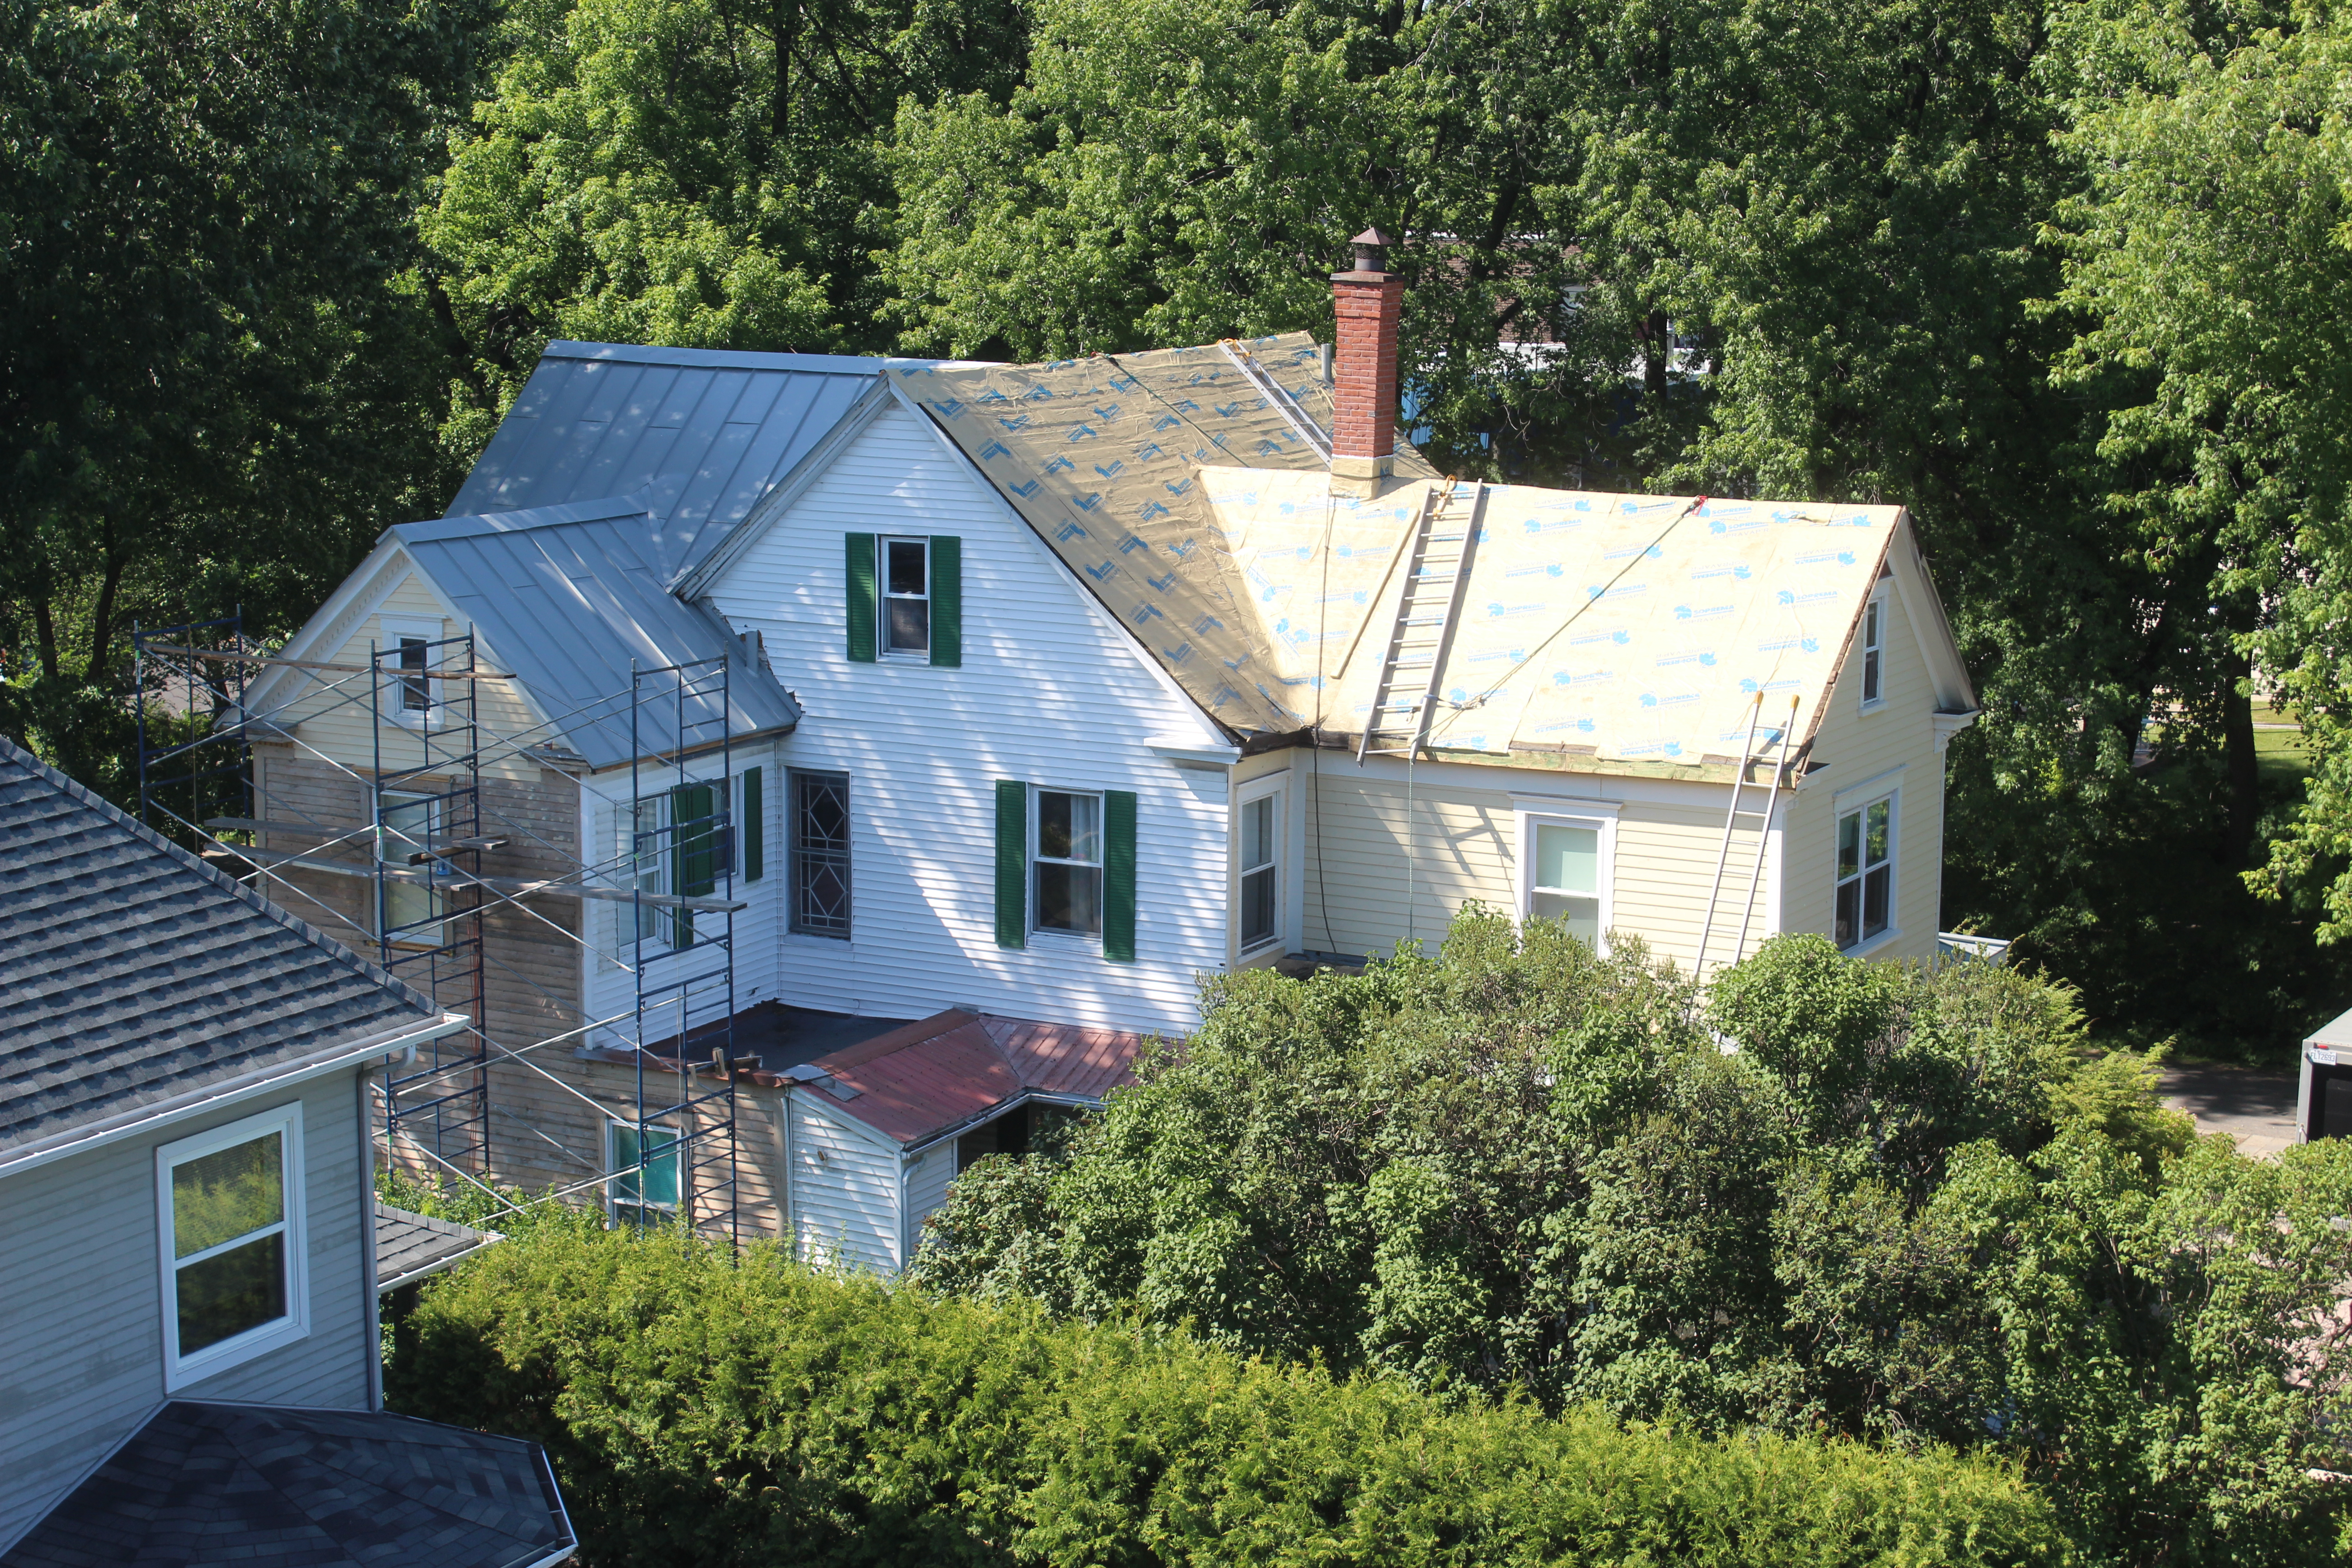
(703, 432)
(138, 977)
(215, 1483)
(412, 1247)
(567, 598)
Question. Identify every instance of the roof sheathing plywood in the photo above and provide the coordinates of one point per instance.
(1598, 632)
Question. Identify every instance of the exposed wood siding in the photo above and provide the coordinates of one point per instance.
(1049, 693)
(844, 1193)
(927, 1180)
(1858, 746)
(82, 1346)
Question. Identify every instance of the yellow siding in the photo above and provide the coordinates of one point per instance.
(1665, 865)
(331, 711)
(1858, 746)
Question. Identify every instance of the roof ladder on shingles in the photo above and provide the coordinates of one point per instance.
(1429, 605)
(1282, 403)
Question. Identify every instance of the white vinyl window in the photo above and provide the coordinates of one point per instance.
(1874, 650)
(643, 1193)
(649, 868)
(1565, 860)
(229, 1203)
(906, 598)
(1261, 852)
(1067, 872)
(410, 646)
(1866, 872)
(410, 913)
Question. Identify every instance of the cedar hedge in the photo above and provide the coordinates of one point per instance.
(700, 1411)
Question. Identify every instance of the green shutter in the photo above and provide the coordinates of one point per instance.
(947, 600)
(1011, 863)
(1118, 876)
(753, 828)
(858, 557)
(694, 862)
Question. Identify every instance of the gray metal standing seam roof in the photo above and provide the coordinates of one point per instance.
(134, 973)
(703, 432)
(566, 597)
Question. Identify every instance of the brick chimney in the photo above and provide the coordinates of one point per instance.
(1368, 301)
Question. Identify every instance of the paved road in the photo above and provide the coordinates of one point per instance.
(2255, 1108)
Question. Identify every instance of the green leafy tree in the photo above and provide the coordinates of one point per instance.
(1911, 1207)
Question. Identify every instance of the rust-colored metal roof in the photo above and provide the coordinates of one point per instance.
(919, 1082)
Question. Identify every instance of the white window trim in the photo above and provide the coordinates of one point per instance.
(179, 1370)
(882, 595)
(613, 1169)
(1088, 939)
(1861, 797)
(1597, 814)
(1880, 600)
(391, 629)
(1245, 796)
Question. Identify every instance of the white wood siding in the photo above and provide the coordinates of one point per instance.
(845, 1191)
(1050, 693)
(81, 1306)
(927, 1182)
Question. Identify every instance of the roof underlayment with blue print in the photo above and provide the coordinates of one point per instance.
(1628, 628)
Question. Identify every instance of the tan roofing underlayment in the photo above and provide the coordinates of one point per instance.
(1187, 488)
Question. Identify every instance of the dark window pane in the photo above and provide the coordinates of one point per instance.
(1069, 898)
(1054, 825)
(910, 625)
(1870, 676)
(1874, 888)
(1849, 848)
(232, 1291)
(413, 697)
(1875, 841)
(907, 568)
(1258, 907)
(1849, 911)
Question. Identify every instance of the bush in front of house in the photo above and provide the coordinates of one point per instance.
(701, 1410)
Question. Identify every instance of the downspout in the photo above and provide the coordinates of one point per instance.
(791, 1172)
(373, 1320)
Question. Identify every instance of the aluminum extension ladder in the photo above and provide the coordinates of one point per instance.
(1748, 756)
(1437, 575)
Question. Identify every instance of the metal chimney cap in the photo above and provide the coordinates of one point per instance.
(1372, 251)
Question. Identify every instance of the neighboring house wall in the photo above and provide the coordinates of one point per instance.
(1858, 755)
(81, 1303)
(845, 1189)
(1050, 692)
(928, 1178)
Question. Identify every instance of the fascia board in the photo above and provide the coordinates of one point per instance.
(1213, 732)
(373, 579)
(1923, 607)
(260, 1081)
(1546, 783)
(815, 464)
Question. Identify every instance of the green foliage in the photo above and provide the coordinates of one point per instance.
(708, 1411)
(1909, 1206)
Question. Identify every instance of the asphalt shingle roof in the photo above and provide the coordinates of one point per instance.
(134, 973)
(204, 1483)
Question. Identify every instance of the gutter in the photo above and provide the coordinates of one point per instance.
(129, 1123)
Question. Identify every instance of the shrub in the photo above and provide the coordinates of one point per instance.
(704, 1411)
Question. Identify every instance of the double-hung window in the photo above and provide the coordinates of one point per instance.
(820, 854)
(407, 825)
(1565, 853)
(1068, 896)
(230, 1208)
(645, 1167)
(649, 868)
(409, 649)
(1261, 851)
(1866, 872)
(1873, 651)
(906, 598)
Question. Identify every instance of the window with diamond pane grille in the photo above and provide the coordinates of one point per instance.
(820, 854)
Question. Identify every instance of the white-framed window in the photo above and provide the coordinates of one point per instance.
(1066, 888)
(1864, 911)
(408, 696)
(647, 1192)
(1258, 904)
(906, 597)
(408, 824)
(235, 1262)
(1566, 856)
(1874, 650)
